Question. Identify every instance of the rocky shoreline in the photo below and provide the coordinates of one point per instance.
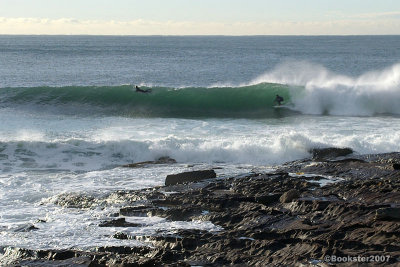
(314, 212)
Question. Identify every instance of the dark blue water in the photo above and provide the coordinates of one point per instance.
(180, 61)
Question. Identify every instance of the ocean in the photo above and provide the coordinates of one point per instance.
(70, 117)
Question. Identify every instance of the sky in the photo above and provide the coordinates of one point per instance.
(200, 17)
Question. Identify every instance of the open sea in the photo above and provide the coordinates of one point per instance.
(70, 117)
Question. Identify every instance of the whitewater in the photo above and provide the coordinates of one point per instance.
(70, 118)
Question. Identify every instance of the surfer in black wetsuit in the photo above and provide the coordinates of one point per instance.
(138, 89)
(278, 99)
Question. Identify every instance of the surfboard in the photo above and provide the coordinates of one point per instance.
(281, 106)
(284, 107)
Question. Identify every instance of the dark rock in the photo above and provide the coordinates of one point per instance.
(72, 200)
(396, 166)
(76, 262)
(139, 211)
(121, 222)
(388, 214)
(121, 236)
(257, 225)
(119, 249)
(192, 176)
(165, 160)
(26, 228)
(176, 214)
(289, 196)
(329, 153)
(350, 160)
(162, 160)
(62, 255)
(267, 199)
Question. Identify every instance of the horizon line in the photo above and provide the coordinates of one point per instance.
(195, 35)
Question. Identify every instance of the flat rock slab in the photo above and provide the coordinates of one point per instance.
(192, 176)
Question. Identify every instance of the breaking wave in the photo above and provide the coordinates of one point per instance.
(247, 101)
(325, 92)
(308, 88)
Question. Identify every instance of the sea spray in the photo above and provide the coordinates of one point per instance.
(316, 90)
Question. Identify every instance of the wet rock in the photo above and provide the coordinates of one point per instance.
(192, 176)
(26, 228)
(329, 153)
(139, 211)
(76, 262)
(62, 255)
(121, 249)
(10, 255)
(176, 214)
(369, 166)
(121, 236)
(289, 196)
(165, 160)
(72, 200)
(256, 225)
(162, 160)
(349, 160)
(121, 222)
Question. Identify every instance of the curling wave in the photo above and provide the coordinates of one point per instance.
(247, 101)
(308, 88)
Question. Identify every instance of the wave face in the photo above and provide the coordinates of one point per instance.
(307, 88)
(326, 93)
(247, 101)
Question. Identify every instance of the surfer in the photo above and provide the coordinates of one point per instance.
(278, 99)
(138, 89)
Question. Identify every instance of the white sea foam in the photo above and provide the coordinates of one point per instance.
(101, 146)
(43, 157)
(78, 229)
(30, 198)
(325, 92)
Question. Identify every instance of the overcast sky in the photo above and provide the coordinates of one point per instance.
(200, 17)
